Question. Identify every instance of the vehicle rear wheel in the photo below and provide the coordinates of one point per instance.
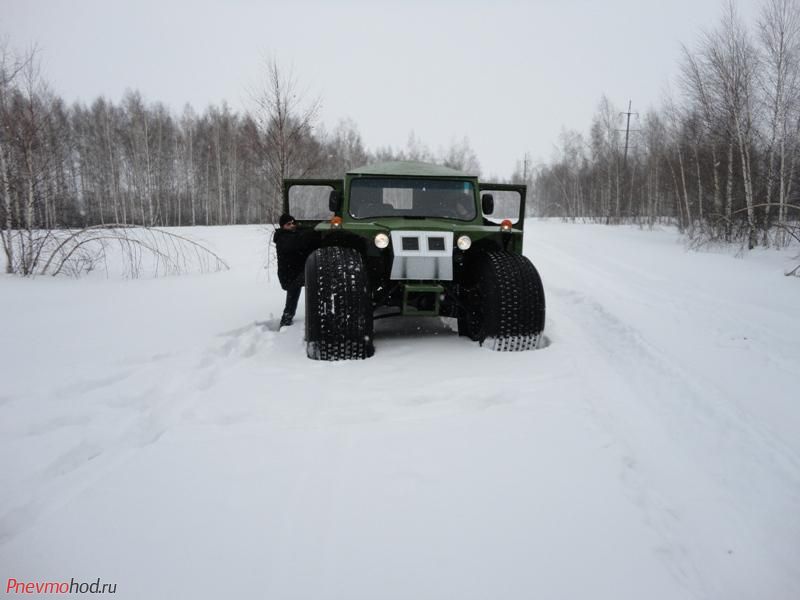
(339, 322)
(505, 309)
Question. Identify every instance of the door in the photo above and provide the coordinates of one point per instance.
(308, 200)
(509, 203)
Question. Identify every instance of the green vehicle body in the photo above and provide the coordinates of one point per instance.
(336, 218)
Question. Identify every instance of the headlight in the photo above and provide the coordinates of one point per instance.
(382, 241)
(464, 242)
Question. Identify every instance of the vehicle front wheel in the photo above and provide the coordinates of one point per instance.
(504, 309)
(339, 322)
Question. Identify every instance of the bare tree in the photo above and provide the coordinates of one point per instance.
(27, 115)
(142, 250)
(779, 34)
(655, 140)
(726, 150)
(416, 149)
(10, 68)
(733, 62)
(606, 149)
(701, 104)
(461, 156)
(344, 149)
(286, 121)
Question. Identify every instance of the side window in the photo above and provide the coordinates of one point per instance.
(310, 202)
(506, 205)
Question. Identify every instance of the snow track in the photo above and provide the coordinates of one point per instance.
(154, 430)
(691, 436)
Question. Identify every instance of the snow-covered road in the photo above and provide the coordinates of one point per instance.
(157, 435)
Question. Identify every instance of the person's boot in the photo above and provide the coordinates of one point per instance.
(286, 320)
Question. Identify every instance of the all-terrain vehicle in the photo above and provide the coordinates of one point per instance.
(415, 239)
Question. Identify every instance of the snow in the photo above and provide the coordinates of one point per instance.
(155, 433)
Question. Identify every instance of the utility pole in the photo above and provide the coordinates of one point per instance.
(627, 133)
(525, 168)
(625, 160)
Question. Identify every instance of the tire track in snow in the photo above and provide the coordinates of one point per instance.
(666, 363)
(699, 431)
(153, 409)
(599, 386)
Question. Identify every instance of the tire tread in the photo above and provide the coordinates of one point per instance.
(338, 310)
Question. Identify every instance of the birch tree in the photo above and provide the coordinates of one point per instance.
(732, 60)
(10, 69)
(285, 120)
(779, 35)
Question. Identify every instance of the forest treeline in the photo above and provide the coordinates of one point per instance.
(719, 158)
(136, 163)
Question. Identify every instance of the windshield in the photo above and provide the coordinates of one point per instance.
(378, 197)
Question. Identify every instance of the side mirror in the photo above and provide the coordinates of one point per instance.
(487, 204)
(335, 201)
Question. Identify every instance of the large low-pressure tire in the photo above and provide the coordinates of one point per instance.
(338, 309)
(505, 306)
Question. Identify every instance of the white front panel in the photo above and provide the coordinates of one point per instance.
(422, 255)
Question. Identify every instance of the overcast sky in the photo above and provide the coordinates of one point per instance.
(507, 75)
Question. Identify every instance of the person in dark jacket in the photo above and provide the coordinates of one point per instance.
(293, 245)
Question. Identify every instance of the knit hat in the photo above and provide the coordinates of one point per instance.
(286, 218)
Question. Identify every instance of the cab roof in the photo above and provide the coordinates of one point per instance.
(408, 168)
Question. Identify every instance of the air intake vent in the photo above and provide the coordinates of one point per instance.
(410, 243)
(435, 243)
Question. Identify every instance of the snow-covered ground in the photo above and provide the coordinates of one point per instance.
(155, 434)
